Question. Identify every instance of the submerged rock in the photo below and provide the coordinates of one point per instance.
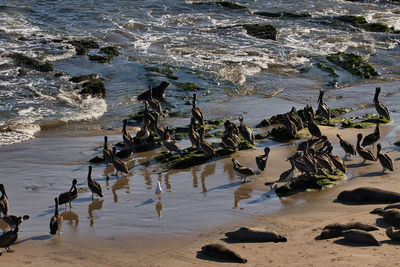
(283, 14)
(229, 4)
(266, 31)
(361, 22)
(83, 46)
(111, 51)
(95, 88)
(354, 64)
(88, 77)
(167, 71)
(31, 62)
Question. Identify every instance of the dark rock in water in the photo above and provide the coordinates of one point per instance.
(229, 4)
(361, 22)
(95, 88)
(283, 14)
(157, 92)
(88, 77)
(393, 234)
(353, 63)
(59, 74)
(360, 236)
(246, 234)
(167, 71)
(22, 72)
(100, 58)
(222, 252)
(31, 62)
(368, 195)
(83, 46)
(266, 31)
(97, 159)
(336, 229)
(110, 50)
(123, 154)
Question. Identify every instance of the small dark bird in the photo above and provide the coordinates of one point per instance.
(143, 133)
(127, 138)
(348, 148)
(118, 165)
(246, 132)
(289, 125)
(365, 154)
(194, 136)
(336, 160)
(371, 139)
(384, 159)
(196, 112)
(382, 110)
(261, 160)
(323, 109)
(157, 128)
(70, 195)
(7, 239)
(94, 186)
(107, 152)
(157, 92)
(3, 201)
(295, 118)
(242, 171)
(56, 220)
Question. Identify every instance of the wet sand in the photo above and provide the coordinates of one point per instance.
(300, 218)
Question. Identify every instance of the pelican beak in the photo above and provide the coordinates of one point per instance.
(5, 194)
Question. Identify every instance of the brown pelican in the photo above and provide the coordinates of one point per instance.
(157, 128)
(261, 160)
(127, 138)
(242, 171)
(309, 161)
(194, 136)
(7, 239)
(384, 159)
(196, 112)
(94, 186)
(147, 116)
(56, 220)
(169, 143)
(158, 92)
(336, 160)
(205, 146)
(246, 132)
(118, 165)
(289, 125)
(365, 154)
(370, 139)
(12, 220)
(308, 112)
(289, 174)
(295, 118)
(154, 102)
(324, 161)
(70, 195)
(348, 148)
(143, 134)
(312, 127)
(232, 132)
(3, 201)
(323, 109)
(107, 152)
(300, 165)
(382, 110)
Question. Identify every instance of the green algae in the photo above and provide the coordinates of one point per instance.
(231, 5)
(100, 58)
(354, 64)
(347, 123)
(188, 157)
(167, 71)
(31, 62)
(308, 181)
(187, 86)
(374, 118)
(111, 51)
(281, 134)
(266, 31)
(93, 87)
(330, 69)
(361, 22)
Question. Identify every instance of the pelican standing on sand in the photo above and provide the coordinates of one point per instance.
(365, 154)
(107, 152)
(56, 220)
(126, 137)
(118, 165)
(3, 201)
(336, 160)
(158, 190)
(323, 109)
(312, 127)
(7, 239)
(246, 132)
(196, 112)
(242, 171)
(94, 186)
(69, 196)
(382, 110)
(348, 148)
(261, 160)
(289, 174)
(370, 139)
(384, 159)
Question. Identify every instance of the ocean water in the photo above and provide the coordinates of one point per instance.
(48, 131)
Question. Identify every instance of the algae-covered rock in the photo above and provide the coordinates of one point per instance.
(81, 78)
(95, 88)
(330, 69)
(22, 72)
(266, 31)
(281, 134)
(188, 157)
(229, 4)
(264, 123)
(82, 46)
(353, 63)
(97, 160)
(397, 143)
(187, 86)
(110, 51)
(31, 62)
(361, 22)
(374, 118)
(283, 14)
(167, 71)
(100, 58)
(308, 181)
(352, 124)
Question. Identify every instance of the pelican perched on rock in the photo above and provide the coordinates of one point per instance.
(382, 110)
(157, 128)
(144, 133)
(205, 146)
(324, 161)
(289, 174)
(118, 165)
(365, 154)
(245, 131)
(94, 186)
(289, 125)
(158, 190)
(312, 127)
(107, 152)
(372, 138)
(242, 171)
(147, 116)
(348, 148)
(384, 159)
(323, 109)
(336, 160)
(295, 118)
(300, 165)
(56, 220)
(69, 196)
(196, 112)
(261, 160)
(3, 201)
(154, 102)
(13, 220)
(127, 138)
(194, 136)
(7, 239)
(169, 143)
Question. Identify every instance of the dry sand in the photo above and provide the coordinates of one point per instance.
(301, 220)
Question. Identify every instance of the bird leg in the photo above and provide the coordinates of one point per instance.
(92, 195)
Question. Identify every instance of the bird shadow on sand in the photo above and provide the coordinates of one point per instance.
(225, 186)
(202, 256)
(144, 203)
(356, 165)
(268, 195)
(372, 174)
(34, 238)
(347, 243)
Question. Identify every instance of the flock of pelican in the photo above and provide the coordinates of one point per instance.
(312, 156)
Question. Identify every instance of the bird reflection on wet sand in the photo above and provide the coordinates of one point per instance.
(242, 192)
(119, 184)
(195, 179)
(159, 207)
(71, 217)
(209, 169)
(95, 205)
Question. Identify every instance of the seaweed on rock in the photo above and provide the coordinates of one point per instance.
(167, 71)
(95, 88)
(31, 62)
(266, 31)
(353, 63)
